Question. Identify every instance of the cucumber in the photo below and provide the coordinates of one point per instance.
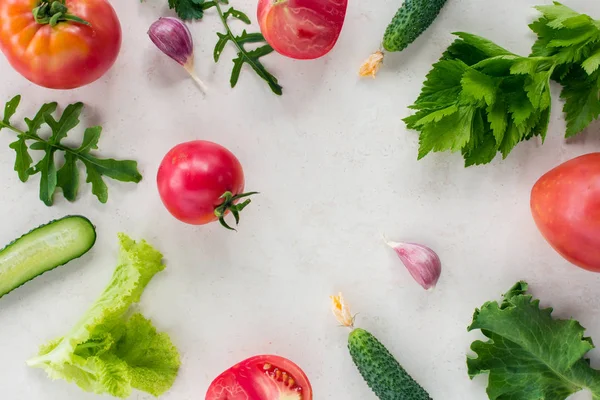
(384, 375)
(43, 249)
(411, 20)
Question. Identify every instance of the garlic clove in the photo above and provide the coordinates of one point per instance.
(422, 263)
(173, 37)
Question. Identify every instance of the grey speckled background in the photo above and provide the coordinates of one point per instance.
(336, 168)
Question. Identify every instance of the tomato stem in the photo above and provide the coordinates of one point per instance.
(54, 11)
(229, 204)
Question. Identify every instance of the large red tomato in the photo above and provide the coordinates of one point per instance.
(565, 203)
(65, 45)
(302, 29)
(200, 182)
(261, 378)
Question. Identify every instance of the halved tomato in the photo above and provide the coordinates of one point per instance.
(264, 377)
(302, 29)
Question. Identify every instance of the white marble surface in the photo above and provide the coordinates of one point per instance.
(336, 168)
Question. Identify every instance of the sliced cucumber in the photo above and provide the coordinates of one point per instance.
(43, 249)
(384, 375)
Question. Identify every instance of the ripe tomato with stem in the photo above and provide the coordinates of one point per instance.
(200, 182)
(60, 44)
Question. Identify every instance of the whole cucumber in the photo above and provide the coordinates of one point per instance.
(384, 375)
(411, 20)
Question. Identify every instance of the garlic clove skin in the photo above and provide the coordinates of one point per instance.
(173, 37)
(422, 263)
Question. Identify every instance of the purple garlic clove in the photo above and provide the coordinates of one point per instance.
(173, 38)
(423, 263)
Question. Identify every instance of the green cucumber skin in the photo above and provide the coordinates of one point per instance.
(411, 20)
(384, 375)
(68, 257)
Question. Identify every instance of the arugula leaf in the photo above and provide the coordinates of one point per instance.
(530, 355)
(67, 176)
(250, 57)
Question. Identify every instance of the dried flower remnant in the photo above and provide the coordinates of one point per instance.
(372, 64)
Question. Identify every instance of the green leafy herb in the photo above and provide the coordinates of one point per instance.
(530, 355)
(67, 176)
(109, 352)
(481, 99)
(250, 57)
(189, 9)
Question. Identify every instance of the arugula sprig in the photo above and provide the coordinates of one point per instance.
(67, 176)
(194, 9)
(530, 355)
(480, 99)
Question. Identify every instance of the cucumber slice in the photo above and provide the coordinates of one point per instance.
(384, 375)
(43, 249)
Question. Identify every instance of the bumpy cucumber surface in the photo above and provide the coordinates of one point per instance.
(384, 375)
(44, 248)
(411, 20)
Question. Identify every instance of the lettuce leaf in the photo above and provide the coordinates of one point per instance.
(530, 355)
(108, 351)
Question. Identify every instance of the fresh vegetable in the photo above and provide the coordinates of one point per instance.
(565, 204)
(423, 263)
(530, 355)
(200, 182)
(302, 29)
(265, 377)
(411, 20)
(63, 44)
(190, 9)
(481, 99)
(174, 39)
(67, 176)
(194, 9)
(250, 57)
(43, 249)
(384, 375)
(108, 351)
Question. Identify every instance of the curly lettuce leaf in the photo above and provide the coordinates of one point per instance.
(530, 355)
(107, 351)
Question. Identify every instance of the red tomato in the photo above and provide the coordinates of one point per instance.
(67, 55)
(200, 182)
(261, 378)
(302, 29)
(565, 203)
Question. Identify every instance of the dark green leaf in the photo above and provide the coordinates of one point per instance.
(582, 102)
(252, 57)
(91, 136)
(223, 39)
(39, 146)
(483, 151)
(34, 124)
(497, 116)
(236, 14)
(246, 37)
(237, 68)
(47, 170)
(23, 160)
(10, 109)
(189, 9)
(530, 355)
(68, 120)
(450, 133)
(94, 177)
(68, 177)
(121, 170)
(479, 86)
(512, 136)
